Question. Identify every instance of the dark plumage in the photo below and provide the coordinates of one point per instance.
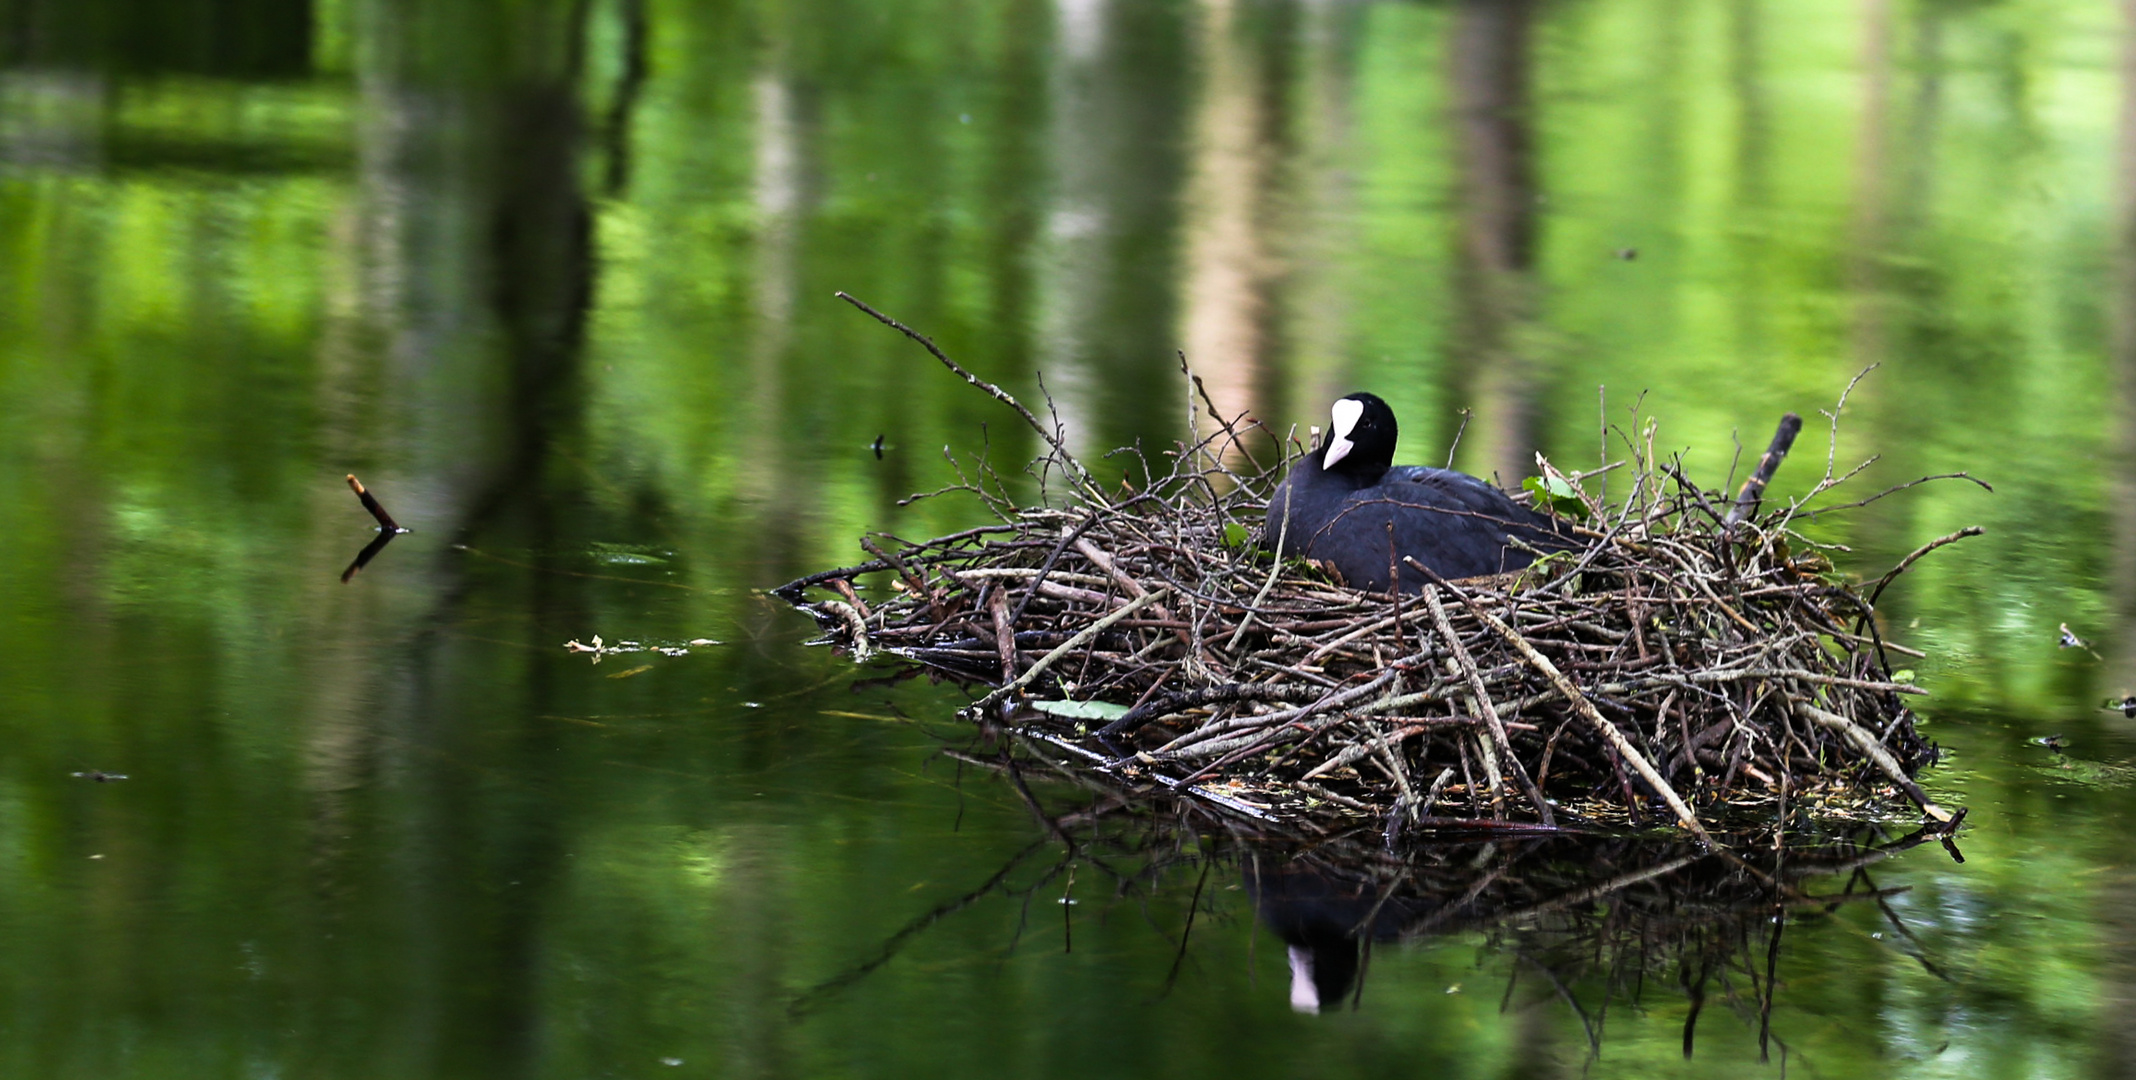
(1362, 512)
(1322, 914)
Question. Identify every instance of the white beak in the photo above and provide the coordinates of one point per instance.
(1346, 415)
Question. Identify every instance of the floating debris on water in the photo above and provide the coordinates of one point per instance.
(599, 648)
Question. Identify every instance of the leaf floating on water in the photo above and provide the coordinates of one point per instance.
(695, 642)
(1081, 710)
(863, 716)
(639, 670)
(628, 554)
(100, 776)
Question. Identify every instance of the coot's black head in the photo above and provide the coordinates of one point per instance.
(1361, 437)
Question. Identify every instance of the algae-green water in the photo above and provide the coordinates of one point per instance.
(556, 281)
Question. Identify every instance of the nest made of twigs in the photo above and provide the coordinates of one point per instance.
(1694, 655)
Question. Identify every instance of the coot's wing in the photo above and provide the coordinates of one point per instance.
(1457, 530)
(1531, 526)
(1451, 522)
(1459, 525)
(1425, 474)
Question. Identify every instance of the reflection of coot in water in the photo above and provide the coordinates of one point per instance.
(1320, 917)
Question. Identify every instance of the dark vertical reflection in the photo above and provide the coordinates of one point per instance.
(466, 262)
(1538, 1053)
(1013, 203)
(2115, 1045)
(540, 259)
(615, 129)
(1492, 41)
(248, 38)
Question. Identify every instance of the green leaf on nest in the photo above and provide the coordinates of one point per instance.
(1081, 710)
(1552, 493)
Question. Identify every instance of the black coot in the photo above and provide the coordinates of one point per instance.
(1341, 499)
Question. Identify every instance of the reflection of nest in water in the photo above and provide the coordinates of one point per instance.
(1589, 921)
(1695, 653)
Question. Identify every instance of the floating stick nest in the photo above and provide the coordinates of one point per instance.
(1696, 655)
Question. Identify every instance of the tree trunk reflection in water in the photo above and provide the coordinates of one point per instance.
(786, 187)
(1319, 231)
(1072, 255)
(469, 178)
(2116, 1025)
(2121, 338)
(1491, 44)
(541, 258)
(1106, 265)
(1887, 189)
(1228, 331)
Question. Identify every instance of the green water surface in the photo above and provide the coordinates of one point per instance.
(556, 280)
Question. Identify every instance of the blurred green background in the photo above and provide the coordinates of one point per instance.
(555, 278)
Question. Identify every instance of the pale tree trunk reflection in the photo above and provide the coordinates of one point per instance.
(1491, 43)
(1319, 236)
(1229, 269)
(1072, 255)
(2121, 337)
(1871, 229)
(2117, 1021)
(777, 499)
